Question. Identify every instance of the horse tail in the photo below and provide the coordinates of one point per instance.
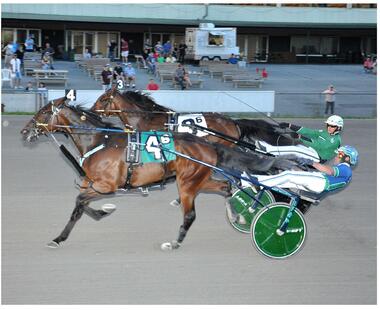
(259, 129)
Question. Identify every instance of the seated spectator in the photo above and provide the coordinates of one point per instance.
(151, 63)
(42, 90)
(152, 85)
(170, 59)
(179, 76)
(45, 62)
(118, 72)
(130, 75)
(29, 86)
(106, 77)
(158, 48)
(233, 59)
(368, 65)
(160, 59)
(87, 54)
(187, 80)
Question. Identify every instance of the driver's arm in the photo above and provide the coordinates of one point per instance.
(324, 168)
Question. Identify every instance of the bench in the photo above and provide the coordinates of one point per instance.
(31, 65)
(247, 82)
(49, 76)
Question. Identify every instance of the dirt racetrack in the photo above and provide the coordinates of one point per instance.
(119, 261)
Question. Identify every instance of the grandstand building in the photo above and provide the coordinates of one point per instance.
(281, 33)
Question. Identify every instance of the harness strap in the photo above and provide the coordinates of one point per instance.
(127, 184)
(89, 153)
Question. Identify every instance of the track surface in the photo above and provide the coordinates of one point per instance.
(118, 260)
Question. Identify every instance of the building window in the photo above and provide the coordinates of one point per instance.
(19, 35)
(314, 45)
(215, 38)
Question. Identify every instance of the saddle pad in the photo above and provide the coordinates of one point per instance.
(151, 152)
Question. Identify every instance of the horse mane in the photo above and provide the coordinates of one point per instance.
(143, 101)
(92, 117)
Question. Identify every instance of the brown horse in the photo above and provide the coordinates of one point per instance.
(106, 170)
(140, 112)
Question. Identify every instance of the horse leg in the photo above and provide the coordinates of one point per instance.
(188, 219)
(82, 201)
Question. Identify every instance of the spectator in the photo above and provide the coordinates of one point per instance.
(152, 85)
(45, 62)
(368, 65)
(29, 86)
(161, 59)
(182, 52)
(175, 51)
(170, 59)
(130, 75)
(330, 99)
(151, 63)
(50, 52)
(156, 55)
(106, 77)
(158, 48)
(111, 49)
(118, 72)
(29, 44)
(43, 91)
(167, 48)
(179, 76)
(187, 80)
(124, 50)
(264, 74)
(20, 55)
(87, 54)
(232, 59)
(147, 46)
(145, 55)
(8, 54)
(16, 70)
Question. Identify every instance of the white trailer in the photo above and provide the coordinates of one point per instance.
(210, 43)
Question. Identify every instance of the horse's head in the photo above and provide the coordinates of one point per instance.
(44, 120)
(108, 103)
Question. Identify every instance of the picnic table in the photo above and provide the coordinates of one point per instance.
(49, 76)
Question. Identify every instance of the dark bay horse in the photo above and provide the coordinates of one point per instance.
(140, 112)
(106, 170)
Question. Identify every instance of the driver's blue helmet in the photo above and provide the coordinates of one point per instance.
(351, 152)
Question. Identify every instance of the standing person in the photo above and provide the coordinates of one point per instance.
(167, 48)
(29, 44)
(16, 70)
(111, 49)
(179, 76)
(182, 52)
(147, 46)
(124, 50)
(158, 48)
(152, 85)
(130, 75)
(20, 55)
(106, 77)
(329, 99)
(8, 50)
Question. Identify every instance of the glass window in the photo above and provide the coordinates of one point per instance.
(21, 36)
(215, 38)
(329, 45)
(6, 36)
(36, 36)
(78, 42)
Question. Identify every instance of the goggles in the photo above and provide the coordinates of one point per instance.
(341, 155)
(332, 126)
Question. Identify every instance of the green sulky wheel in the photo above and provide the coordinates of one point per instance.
(243, 205)
(265, 238)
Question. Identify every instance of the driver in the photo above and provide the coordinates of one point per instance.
(317, 145)
(326, 179)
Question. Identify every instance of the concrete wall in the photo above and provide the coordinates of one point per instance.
(194, 101)
(22, 102)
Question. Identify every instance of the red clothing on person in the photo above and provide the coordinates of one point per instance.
(124, 46)
(152, 86)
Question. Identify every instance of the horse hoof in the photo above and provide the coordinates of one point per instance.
(175, 203)
(168, 246)
(108, 208)
(52, 245)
